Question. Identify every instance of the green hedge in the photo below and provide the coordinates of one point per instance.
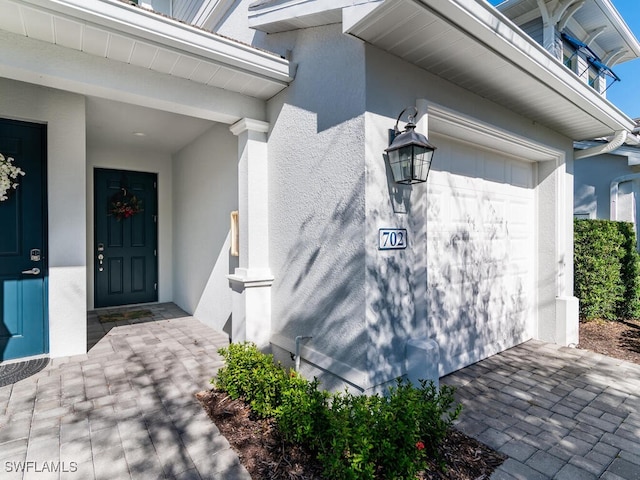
(355, 437)
(607, 269)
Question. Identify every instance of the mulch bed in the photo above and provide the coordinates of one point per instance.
(617, 339)
(267, 457)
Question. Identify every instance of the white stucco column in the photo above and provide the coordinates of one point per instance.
(251, 281)
(557, 321)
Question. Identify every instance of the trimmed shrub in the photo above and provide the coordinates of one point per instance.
(355, 437)
(630, 273)
(252, 375)
(606, 269)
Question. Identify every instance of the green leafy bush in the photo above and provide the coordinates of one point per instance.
(252, 375)
(354, 436)
(630, 273)
(303, 412)
(606, 269)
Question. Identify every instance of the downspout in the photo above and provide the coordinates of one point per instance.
(616, 142)
(297, 357)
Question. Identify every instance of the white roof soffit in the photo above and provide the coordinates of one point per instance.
(116, 30)
(469, 43)
(272, 16)
(595, 21)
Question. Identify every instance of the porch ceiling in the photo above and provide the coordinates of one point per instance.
(472, 45)
(115, 124)
(118, 31)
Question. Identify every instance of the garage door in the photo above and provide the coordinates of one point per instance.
(481, 253)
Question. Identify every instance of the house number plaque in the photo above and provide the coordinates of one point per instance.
(392, 238)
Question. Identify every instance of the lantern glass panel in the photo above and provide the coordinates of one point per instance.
(421, 163)
(400, 163)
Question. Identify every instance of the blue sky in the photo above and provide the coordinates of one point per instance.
(626, 93)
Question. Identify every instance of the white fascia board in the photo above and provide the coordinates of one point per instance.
(74, 71)
(620, 25)
(270, 15)
(136, 22)
(499, 34)
(211, 13)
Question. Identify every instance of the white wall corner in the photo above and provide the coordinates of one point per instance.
(567, 321)
(67, 311)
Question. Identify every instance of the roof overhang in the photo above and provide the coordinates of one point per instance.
(122, 32)
(469, 43)
(595, 21)
(272, 16)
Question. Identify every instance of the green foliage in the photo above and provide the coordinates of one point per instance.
(302, 412)
(387, 436)
(252, 375)
(355, 437)
(606, 269)
(630, 273)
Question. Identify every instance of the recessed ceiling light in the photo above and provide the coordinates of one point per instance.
(140, 134)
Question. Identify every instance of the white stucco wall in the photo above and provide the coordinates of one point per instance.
(205, 182)
(393, 84)
(330, 193)
(317, 204)
(143, 161)
(64, 114)
(361, 305)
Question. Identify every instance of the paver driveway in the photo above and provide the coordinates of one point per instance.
(124, 410)
(127, 410)
(558, 413)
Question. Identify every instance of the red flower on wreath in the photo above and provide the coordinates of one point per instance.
(420, 445)
(124, 205)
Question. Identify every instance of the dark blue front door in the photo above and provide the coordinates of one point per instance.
(125, 256)
(23, 263)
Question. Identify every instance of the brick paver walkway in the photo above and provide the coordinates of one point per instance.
(127, 409)
(558, 413)
(124, 410)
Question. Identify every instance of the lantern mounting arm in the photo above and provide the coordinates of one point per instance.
(411, 118)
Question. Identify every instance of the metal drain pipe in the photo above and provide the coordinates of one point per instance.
(297, 358)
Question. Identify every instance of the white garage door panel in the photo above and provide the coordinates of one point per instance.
(481, 253)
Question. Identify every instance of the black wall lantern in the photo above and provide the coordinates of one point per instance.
(410, 153)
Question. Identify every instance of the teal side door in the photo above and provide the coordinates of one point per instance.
(23, 250)
(125, 243)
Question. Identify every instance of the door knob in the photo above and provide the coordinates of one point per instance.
(33, 271)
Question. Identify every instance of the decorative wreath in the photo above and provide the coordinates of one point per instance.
(124, 205)
(8, 177)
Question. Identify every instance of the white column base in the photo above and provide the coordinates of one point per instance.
(567, 321)
(251, 306)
